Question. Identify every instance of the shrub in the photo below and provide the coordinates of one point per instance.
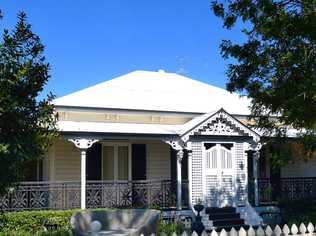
(169, 227)
(298, 211)
(36, 222)
(173, 225)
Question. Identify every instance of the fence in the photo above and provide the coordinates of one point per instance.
(99, 194)
(285, 188)
(302, 230)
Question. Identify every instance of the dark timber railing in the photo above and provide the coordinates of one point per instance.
(285, 188)
(99, 194)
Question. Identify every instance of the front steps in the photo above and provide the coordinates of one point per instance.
(224, 218)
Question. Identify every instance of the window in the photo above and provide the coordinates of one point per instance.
(218, 156)
(226, 159)
(33, 170)
(211, 159)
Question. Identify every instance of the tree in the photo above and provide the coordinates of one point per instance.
(27, 124)
(276, 65)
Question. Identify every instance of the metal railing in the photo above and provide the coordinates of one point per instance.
(99, 194)
(284, 188)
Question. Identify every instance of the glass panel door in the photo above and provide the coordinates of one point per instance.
(116, 162)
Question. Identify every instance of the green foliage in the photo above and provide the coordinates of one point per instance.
(34, 221)
(284, 150)
(276, 65)
(299, 211)
(27, 124)
(169, 227)
(281, 152)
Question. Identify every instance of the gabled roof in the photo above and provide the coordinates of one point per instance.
(218, 123)
(157, 91)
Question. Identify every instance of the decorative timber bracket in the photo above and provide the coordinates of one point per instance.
(83, 143)
(177, 145)
(255, 147)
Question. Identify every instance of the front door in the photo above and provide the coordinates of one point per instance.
(116, 161)
(219, 174)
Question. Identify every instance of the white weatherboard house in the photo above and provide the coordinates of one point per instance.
(138, 117)
(147, 139)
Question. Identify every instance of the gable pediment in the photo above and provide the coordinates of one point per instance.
(220, 123)
(219, 126)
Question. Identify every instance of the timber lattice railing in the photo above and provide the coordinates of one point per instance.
(301, 230)
(99, 194)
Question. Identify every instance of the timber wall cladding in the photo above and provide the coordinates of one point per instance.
(158, 160)
(197, 184)
(66, 161)
(241, 172)
(302, 230)
(299, 169)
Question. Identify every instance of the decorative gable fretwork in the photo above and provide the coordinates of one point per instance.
(219, 126)
(220, 123)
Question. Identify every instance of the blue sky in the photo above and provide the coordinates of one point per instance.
(88, 42)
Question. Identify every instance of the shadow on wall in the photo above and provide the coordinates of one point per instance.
(228, 193)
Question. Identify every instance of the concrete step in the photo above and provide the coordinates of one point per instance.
(219, 216)
(216, 210)
(229, 227)
(225, 222)
(225, 218)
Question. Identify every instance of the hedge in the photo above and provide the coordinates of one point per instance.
(40, 233)
(36, 222)
(297, 211)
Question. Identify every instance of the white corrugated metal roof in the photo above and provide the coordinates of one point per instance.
(159, 91)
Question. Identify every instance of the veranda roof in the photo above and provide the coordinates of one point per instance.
(157, 91)
(134, 128)
(117, 128)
